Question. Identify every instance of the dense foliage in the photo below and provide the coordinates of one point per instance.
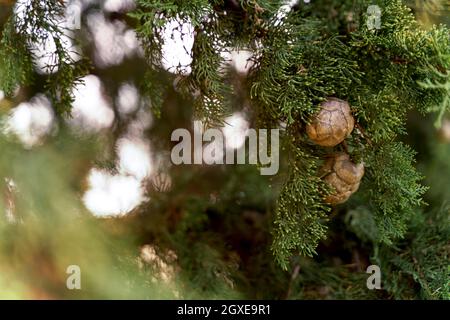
(261, 237)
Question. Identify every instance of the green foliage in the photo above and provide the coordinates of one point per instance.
(217, 27)
(423, 258)
(419, 260)
(299, 59)
(393, 188)
(322, 281)
(378, 71)
(16, 61)
(299, 67)
(441, 83)
(37, 24)
(153, 16)
(300, 214)
(52, 230)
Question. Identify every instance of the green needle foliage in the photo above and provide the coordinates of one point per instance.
(300, 56)
(38, 23)
(300, 60)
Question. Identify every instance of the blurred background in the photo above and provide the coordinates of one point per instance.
(97, 189)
